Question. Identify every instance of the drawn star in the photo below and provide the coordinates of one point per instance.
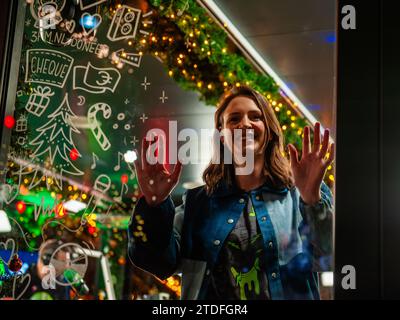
(145, 84)
(28, 22)
(163, 97)
(143, 118)
(134, 141)
(126, 101)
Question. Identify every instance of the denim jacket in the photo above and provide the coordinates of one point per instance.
(187, 239)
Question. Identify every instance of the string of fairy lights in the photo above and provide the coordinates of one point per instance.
(199, 56)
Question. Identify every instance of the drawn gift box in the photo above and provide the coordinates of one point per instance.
(39, 100)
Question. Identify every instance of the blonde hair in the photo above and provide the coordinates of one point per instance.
(276, 167)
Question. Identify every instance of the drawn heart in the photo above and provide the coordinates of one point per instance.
(5, 245)
(8, 193)
(21, 281)
(70, 26)
(90, 22)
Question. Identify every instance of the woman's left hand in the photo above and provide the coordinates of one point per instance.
(310, 170)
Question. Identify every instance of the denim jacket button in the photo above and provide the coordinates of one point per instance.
(230, 221)
(270, 244)
(241, 200)
(273, 275)
(217, 242)
(258, 198)
(263, 218)
(208, 272)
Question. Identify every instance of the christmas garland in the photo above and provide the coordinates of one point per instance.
(199, 56)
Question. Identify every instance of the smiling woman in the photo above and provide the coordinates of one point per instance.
(258, 235)
(85, 81)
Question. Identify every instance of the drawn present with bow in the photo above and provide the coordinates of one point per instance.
(39, 100)
(95, 80)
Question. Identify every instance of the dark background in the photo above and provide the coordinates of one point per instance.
(368, 154)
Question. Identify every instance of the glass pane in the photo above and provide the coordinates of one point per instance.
(89, 80)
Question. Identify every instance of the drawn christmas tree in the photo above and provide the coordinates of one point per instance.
(55, 149)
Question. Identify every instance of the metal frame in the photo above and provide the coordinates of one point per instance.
(105, 267)
(10, 71)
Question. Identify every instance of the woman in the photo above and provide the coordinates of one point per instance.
(261, 235)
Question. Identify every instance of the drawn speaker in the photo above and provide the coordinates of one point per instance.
(124, 24)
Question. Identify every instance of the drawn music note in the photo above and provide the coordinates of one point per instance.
(124, 186)
(95, 158)
(118, 166)
(132, 170)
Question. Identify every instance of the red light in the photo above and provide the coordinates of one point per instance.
(124, 178)
(9, 122)
(74, 154)
(21, 207)
(92, 229)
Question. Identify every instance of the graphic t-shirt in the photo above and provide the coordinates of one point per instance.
(239, 272)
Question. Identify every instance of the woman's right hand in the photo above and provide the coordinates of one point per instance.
(155, 181)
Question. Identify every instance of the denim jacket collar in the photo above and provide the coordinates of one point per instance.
(223, 190)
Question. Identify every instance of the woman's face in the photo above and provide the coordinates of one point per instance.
(242, 113)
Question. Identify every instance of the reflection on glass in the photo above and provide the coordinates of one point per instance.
(94, 77)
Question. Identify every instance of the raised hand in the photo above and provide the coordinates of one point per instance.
(155, 181)
(309, 171)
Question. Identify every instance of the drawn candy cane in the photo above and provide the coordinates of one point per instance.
(95, 125)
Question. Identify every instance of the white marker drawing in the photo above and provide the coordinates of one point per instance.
(48, 16)
(70, 25)
(8, 193)
(127, 126)
(183, 9)
(147, 14)
(54, 142)
(36, 6)
(39, 100)
(126, 101)
(69, 256)
(86, 4)
(22, 140)
(120, 116)
(6, 245)
(133, 59)
(124, 190)
(132, 170)
(145, 84)
(95, 80)
(48, 67)
(28, 22)
(115, 126)
(21, 124)
(94, 158)
(21, 281)
(118, 166)
(163, 97)
(95, 126)
(93, 21)
(134, 141)
(82, 100)
(124, 24)
(23, 234)
(143, 118)
(102, 183)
